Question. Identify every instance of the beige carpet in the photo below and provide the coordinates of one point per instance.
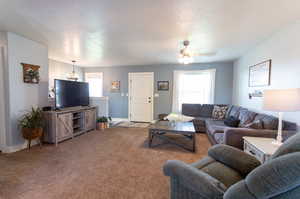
(115, 163)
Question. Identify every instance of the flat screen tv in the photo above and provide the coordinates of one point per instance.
(71, 93)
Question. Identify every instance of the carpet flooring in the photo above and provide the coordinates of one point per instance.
(115, 163)
(132, 124)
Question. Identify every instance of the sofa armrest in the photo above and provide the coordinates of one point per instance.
(278, 178)
(194, 179)
(234, 158)
(234, 136)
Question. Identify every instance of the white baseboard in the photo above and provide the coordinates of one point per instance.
(15, 148)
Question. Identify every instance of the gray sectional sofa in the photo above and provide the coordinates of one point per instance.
(219, 133)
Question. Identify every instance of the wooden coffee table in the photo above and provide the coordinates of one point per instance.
(162, 129)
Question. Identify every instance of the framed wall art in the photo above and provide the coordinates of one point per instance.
(162, 85)
(115, 86)
(31, 73)
(260, 74)
(256, 93)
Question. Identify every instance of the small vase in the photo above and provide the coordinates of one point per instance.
(101, 125)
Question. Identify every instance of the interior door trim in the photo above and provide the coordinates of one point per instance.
(129, 92)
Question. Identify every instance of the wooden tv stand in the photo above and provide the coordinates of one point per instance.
(68, 123)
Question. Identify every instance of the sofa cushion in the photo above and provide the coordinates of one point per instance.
(206, 110)
(200, 121)
(289, 126)
(257, 124)
(269, 122)
(232, 121)
(223, 173)
(246, 117)
(234, 111)
(215, 126)
(192, 110)
(219, 112)
(199, 124)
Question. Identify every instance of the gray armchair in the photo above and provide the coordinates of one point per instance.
(230, 173)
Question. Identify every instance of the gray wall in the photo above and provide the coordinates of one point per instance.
(118, 105)
(283, 48)
(23, 96)
(3, 109)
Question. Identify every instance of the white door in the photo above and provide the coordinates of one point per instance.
(141, 97)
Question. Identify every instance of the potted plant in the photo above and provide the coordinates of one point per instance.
(31, 125)
(102, 122)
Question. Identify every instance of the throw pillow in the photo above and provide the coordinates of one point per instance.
(219, 112)
(257, 124)
(232, 121)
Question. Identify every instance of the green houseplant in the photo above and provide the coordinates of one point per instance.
(102, 122)
(31, 124)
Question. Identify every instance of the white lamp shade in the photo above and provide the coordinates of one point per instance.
(282, 100)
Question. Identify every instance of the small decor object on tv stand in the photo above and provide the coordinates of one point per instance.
(31, 73)
(47, 108)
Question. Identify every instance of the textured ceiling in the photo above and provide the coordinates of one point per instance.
(139, 32)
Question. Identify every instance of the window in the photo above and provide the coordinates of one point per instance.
(193, 87)
(95, 81)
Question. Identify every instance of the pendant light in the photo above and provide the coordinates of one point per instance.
(73, 76)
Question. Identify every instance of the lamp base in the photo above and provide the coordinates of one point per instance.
(277, 143)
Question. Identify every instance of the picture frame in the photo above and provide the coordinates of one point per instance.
(256, 93)
(115, 86)
(31, 73)
(162, 85)
(260, 74)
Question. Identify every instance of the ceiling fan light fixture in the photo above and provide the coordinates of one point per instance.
(185, 60)
(185, 56)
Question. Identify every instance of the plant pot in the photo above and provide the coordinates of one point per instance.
(31, 134)
(101, 125)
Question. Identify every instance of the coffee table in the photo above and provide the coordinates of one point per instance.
(162, 129)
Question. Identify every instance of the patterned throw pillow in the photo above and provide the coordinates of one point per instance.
(219, 112)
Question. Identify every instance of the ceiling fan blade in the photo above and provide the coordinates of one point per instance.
(205, 54)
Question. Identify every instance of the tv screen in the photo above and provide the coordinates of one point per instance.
(70, 93)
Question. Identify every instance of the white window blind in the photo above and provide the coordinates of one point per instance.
(193, 87)
(95, 81)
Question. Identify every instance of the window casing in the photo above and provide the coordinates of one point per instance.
(95, 81)
(193, 87)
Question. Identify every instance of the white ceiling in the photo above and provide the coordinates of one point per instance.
(139, 32)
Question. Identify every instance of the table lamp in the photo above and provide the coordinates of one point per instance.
(281, 100)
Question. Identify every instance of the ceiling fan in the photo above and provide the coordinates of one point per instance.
(187, 57)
